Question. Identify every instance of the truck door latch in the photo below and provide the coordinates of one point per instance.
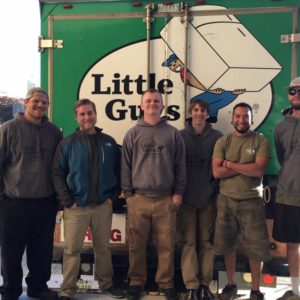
(290, 38)
(48, 43)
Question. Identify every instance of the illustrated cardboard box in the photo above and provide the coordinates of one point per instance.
(222, 53)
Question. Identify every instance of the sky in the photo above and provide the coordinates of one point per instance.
(19, 56)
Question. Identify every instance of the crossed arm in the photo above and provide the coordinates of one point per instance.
(225, 168)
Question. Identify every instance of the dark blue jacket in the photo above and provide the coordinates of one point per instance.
(71, 174)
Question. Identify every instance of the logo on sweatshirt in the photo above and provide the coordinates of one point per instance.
(150, 147)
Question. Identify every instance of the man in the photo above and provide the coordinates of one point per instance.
(27, 202)
(153, 180)
(287, 207)
(86, 172)
(198, 211)
(239, 160)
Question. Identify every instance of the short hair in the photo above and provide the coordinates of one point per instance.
(82, 102)
(201, 103)
(151, 91)
(242, 104)
(34, 90)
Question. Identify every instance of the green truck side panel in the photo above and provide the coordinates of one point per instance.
(88, 41)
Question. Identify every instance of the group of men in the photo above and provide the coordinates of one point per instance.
(164, 174)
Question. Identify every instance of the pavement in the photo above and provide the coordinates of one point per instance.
(88, 288)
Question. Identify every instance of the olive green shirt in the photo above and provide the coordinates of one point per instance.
(243, 150)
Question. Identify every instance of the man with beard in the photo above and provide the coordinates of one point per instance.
(287, 142)
(240, 160)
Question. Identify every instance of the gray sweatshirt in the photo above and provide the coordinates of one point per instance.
(287, 143)
(201, 187)
(153, 160)
(26, 153)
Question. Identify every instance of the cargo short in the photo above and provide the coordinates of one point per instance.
(245, 220)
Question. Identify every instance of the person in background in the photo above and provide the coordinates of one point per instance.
(239, 160)
(287, 207)
(86, 176)
(198, 210)
(153, 175)
(27, 198)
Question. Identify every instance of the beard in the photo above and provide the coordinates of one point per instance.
(296, 106)
(242, 130)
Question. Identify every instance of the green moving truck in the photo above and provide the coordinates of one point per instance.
(220, 51)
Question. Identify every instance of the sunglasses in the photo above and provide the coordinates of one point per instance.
(294, 91)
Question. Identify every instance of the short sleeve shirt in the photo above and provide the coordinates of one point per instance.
(244, 150)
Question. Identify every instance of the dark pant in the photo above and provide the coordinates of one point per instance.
(27, 224)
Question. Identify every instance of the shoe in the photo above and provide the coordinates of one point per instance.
(192, 294)
(229, 292)
(45, 294)
(114, 292)
(257, 295)
(170, 294)
(205, 293)
(287, 295)
(64, 298)
(134, 292)
(6, 297)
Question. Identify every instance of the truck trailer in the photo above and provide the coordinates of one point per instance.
(223, 52)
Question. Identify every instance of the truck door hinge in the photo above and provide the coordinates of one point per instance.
(48, 43)
(290, 38)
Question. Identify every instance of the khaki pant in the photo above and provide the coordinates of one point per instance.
(159, 215)
(76, 222)
(197, 259)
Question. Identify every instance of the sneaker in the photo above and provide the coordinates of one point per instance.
(205, 293)
(287, 295)
(114, 292)
(134, 292)
(229, 292)
(192, 294)
(45, 294)
(257, 295)
(170, 294)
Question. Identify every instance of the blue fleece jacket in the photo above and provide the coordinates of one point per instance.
(71, 174)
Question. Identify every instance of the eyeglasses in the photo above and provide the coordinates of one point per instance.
(294, 91)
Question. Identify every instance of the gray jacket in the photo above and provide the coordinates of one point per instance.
(287, 143)
(26, 153)
(201, 187)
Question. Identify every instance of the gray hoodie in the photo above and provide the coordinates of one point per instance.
(26, 153)
(201, 188)
(287, 143)
(153, 160)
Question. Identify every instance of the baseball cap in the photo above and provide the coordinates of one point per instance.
(34, 90)
(169, 60)
(295, 82)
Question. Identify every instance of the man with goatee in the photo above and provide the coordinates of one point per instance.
(239, 160)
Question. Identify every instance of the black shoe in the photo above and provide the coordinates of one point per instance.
(6, 297)
(170, 294)
(134, 292)
(45, 294)
(64, 298)
(257, 295)
(205, 293)
(192, 294)
(229, 292)
(114, 292)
